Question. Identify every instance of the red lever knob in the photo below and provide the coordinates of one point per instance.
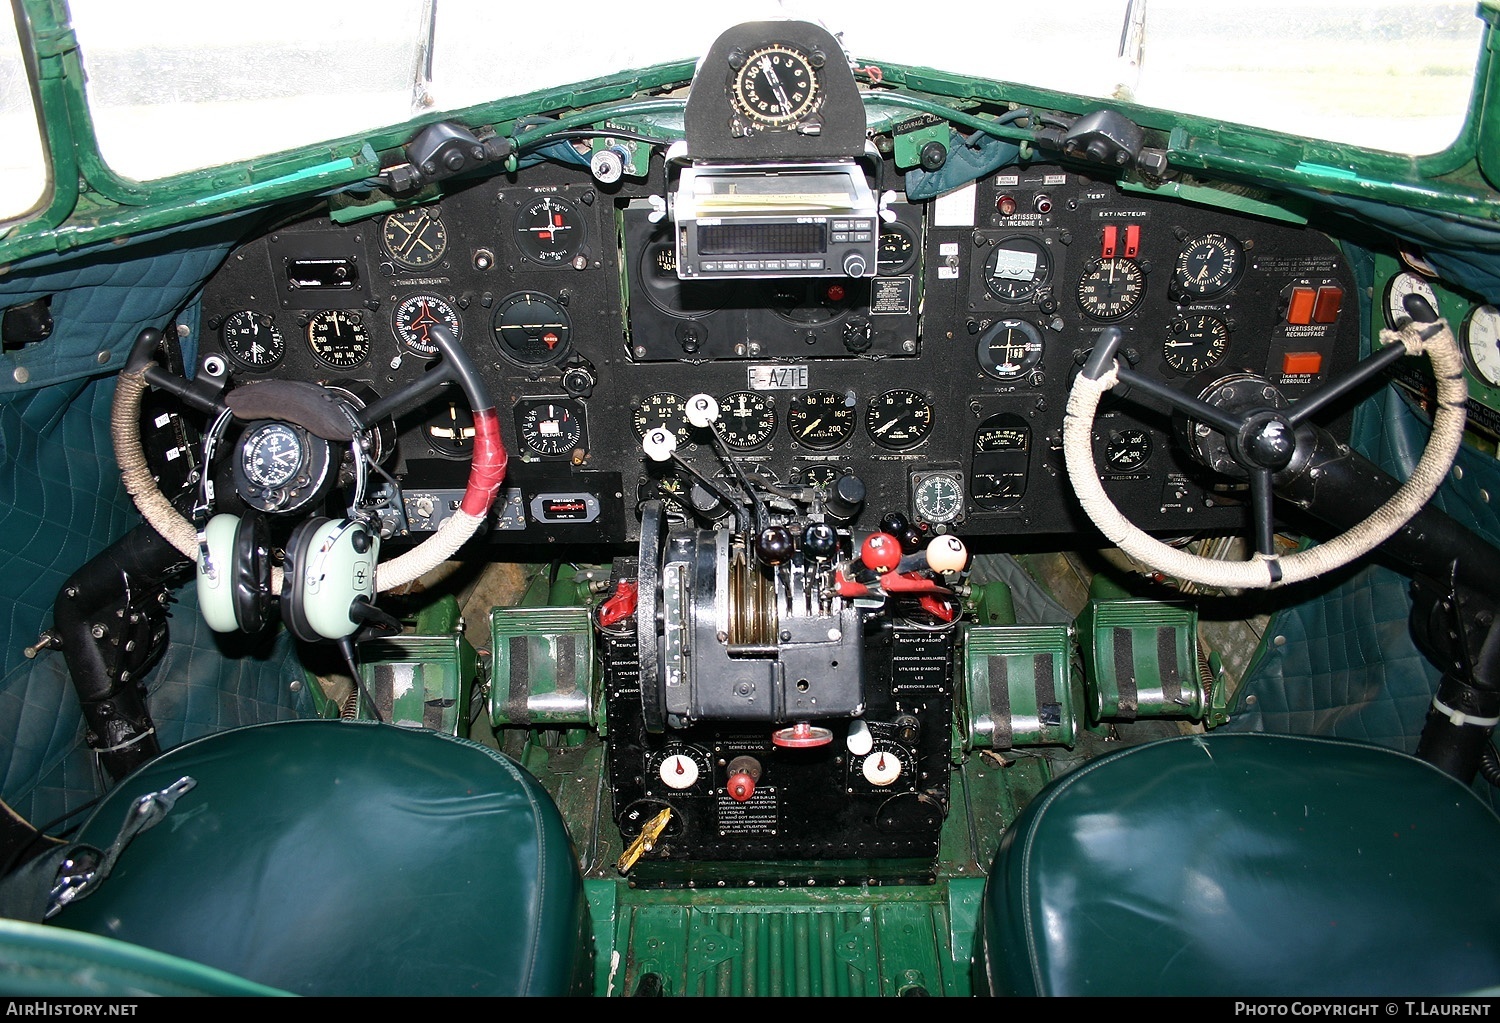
(740, 787)
(880, 552)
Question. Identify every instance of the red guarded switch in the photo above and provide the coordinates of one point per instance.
(1111, 244)
(1132, 241)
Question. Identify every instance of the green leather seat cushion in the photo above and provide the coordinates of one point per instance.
(348, 858)
(1246, 864)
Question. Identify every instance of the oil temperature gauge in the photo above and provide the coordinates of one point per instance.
(937, 497)
(821, 419)
(550, 427)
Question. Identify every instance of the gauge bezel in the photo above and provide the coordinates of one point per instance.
(1040, 278)
(1223, 281)
(260, 324)
(744, 93)
(1128, 301)
(415, 216)
(1127, 438)
(818, 434)
(1397, 287)
(361, 343)
(407, 337)
(1214, 344)
(565, 444)
(527, 242)
(500, 330)
(671, 415)
(922, 482)
(1033, 349)
(895, 229)
(1491, 313)
(764, 419)
(916, 400)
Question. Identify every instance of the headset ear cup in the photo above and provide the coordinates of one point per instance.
(251, 573)
(216, 574)
(294, 581)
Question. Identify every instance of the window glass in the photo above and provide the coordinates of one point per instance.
(23, 162)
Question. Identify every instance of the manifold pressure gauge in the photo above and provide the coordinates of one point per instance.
(775, 85)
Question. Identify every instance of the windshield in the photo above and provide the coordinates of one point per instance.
(230, 82)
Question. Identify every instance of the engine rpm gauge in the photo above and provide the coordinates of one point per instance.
(415, 238)
(532, 328)
(821, 419)
(414, 319)
(1016, 269)
(776, 85)
(899, 418)
(252, 339)
(1208, 266)
(549, 230)
(339, 337)
(1481, 341)
(1111, 288)
(746, 420)
(1195, 343)
(665, 410)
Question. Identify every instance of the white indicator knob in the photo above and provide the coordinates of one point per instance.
(678, 772)
(702, 410)
(947, 554)
(882, 767)
(859, 739)
(659, 444)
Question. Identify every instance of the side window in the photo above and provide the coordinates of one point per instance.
(23, 162)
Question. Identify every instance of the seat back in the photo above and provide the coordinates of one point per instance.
(1246, 865)
(348, 858)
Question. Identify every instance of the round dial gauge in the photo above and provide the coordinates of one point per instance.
(899, 418)
(1397, 288)
(252, 339)
(1016, 268)
(665, 410)
(776, 86)
(339, 338)
(415, 317)
(1207, 266)
(882, 766)
(937, 497)
(746, 420)
(272, 454)
(415, 238)
(532, 328)
(1195, 343)
(897, 249)
(1111, 288)
(1009, 348)
(821, 419)
(550, 428)
(1127, 450)
(678, 767)
(549, 230)
(1481, 341)
(820, 476)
